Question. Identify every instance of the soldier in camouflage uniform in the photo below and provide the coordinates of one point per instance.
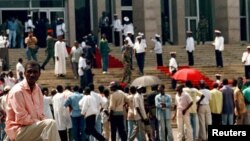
(126, 56)
(202, 30)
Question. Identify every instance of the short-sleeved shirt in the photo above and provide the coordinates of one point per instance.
(76, 53)
(215, 102)
(130, 115)
(238, 96)
(206, 93)
(139, 103)
(193, 93)
(81, 64)
(181, 102)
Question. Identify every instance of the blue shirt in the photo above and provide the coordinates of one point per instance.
(12, 25)
(163, 113)
(73, 102)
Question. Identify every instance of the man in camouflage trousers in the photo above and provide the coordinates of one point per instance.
(202, 30)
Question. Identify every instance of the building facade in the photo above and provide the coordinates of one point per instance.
(170, 18)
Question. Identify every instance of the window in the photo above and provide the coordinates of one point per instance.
(34, 3)
(191, 7)
(126, 2)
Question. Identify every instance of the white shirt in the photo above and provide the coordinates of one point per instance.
(88, 106)
(76, 53)
(246, 57)
(104, 116)
(29, 26)
(139, 103)
(60, 29)
(130, 43)
(172, 64)
(81, 65)
(60, 112)
(98, 99)
(206, 93)
(117, 25)
(190, 44)
(47, 101)
(219, 43)
(158, 47)
(19, 68)
(139, 47)
(128, 28)
(182, 102)
(10, 81)
(3, 42)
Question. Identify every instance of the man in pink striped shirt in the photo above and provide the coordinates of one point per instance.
(25, 118)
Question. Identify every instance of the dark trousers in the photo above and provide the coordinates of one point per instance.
(63, 135)
(218, 57)
(117, 123)
(49, 56)
(190, 58)
(173, 83)
(140, 61)
(247, 71)
(216, 119)
(90, 128)
(131, 60)
(117, 38)
(82, 81)
(159, 59)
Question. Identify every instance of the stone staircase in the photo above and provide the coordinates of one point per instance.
(204, 61)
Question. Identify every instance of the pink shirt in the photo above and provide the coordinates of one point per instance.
(23, 107)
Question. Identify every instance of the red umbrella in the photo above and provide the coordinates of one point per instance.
(188, 74)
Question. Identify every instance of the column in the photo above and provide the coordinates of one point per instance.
(71, 21)
(179, 30)
(147, 18)
(227, 19)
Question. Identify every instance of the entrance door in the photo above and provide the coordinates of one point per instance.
(192, 15)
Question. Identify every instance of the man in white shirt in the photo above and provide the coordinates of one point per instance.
(246, 62)
(89, 110)
(158, 49)
(219, 47)
(117, 26)
(75, 54)
(190, 48)
(128, 27)
(60, 28)
(19, 67)
(81, 67)
(173, 67)
(140, 54)
(140, 116)
(204, 112)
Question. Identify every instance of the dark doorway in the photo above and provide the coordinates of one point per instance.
(20, 15)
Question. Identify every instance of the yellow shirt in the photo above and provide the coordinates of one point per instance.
(193, 93)
(215, 102)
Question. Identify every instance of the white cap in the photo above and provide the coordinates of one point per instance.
(189, 31)
(140, 34)
(157, 35)
(29, 15)
(129, 32)
(172, 52)
(137, 37)
(126, 19)
(217, 31)
(217, 74)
